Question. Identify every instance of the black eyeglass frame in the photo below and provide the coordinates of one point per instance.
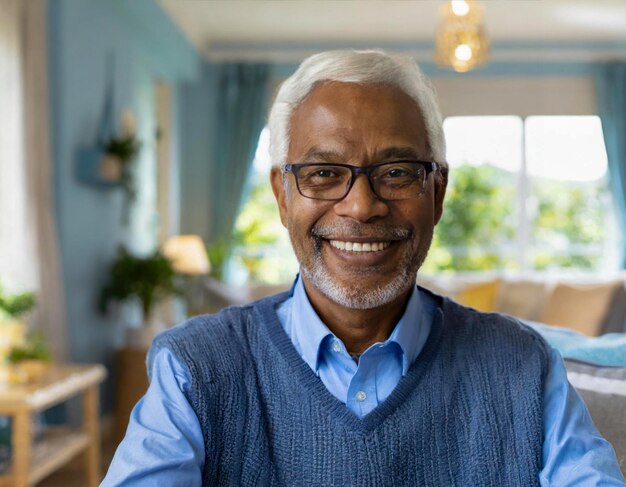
(429, 167)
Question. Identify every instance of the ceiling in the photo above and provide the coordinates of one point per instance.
(223, 29)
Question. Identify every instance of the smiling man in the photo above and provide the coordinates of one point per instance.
(356, 376)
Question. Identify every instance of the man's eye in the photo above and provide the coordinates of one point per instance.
(397, 172)
(323, 173)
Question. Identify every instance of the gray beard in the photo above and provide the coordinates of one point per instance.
(354, 296)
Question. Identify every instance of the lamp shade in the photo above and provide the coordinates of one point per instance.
(188, 254)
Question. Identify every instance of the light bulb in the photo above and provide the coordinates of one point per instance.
(460, 7)
(463, 52)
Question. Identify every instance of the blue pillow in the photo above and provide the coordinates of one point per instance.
(607, 350)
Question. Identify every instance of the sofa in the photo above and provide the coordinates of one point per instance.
(590, 305)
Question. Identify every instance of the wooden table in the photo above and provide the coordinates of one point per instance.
(31, 463)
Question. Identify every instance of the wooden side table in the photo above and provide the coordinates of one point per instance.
(31, 463)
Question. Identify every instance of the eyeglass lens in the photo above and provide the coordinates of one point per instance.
(389, 181)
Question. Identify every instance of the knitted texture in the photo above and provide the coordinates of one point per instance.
(468, 412)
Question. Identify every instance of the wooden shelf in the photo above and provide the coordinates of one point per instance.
(57, 447)
(32, 461)
(60, 383)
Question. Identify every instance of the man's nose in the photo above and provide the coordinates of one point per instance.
(361, 203)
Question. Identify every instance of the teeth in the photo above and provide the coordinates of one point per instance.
(359, 247)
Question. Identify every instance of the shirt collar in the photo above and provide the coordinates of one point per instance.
(409, 331)
(307, 328)
(309, 331)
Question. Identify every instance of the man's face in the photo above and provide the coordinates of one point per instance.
(359, 125)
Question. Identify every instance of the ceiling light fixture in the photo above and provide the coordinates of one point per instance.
(461, 42)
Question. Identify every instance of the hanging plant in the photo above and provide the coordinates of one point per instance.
(120, 153)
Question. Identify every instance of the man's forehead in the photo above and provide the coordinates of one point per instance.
(338, 117)
(329, 89)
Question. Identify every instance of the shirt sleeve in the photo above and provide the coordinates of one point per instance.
(163, 443)
(574, 452)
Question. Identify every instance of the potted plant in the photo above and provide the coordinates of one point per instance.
(12, 326)
(148, 279)
(29, 361)
(24, 357)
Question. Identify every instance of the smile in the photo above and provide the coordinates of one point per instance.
(359, 247)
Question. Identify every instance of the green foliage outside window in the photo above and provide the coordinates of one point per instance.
(260, 242)
(569, 224)
(478, 221)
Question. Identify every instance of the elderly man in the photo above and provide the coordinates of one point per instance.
(356, 376)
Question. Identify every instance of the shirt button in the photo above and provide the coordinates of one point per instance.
(360, 396)
(336, 346)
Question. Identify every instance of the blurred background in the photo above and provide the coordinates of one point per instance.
(134, 163)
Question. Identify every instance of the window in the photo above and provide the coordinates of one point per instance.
(524, 195)
(16, 252)
(262, 251)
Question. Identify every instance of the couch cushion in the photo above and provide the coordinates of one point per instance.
(481, 296)
(522, 298)
(604, 392)
(579, 307)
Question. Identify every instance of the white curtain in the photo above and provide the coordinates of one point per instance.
(29, 253)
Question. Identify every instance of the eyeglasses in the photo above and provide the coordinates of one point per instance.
(396, 180)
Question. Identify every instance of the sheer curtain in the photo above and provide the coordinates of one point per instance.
(29, 256)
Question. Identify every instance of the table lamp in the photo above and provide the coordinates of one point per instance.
(189, 258)
(188, 254)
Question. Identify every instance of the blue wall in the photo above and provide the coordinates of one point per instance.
(197, 112)
(146, 47)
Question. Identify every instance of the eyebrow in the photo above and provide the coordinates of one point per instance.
(318, 155)
(315, 154)
(397, 153)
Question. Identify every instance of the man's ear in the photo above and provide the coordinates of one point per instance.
(278, 187)
(441, 183)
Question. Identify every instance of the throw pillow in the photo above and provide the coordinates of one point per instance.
(482, 296)
(523, 299)
(579, 307)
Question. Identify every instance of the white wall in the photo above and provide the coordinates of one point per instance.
(541, 95)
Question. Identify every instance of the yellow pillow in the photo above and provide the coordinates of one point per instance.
(581, 308)
(482, 296)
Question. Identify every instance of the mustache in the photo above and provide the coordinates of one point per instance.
(355, 229)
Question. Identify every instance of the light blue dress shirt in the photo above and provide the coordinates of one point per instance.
(164, 445)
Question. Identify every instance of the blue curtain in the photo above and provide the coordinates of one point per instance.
(610, 81)
(241, 113)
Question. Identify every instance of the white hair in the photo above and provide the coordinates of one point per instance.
(361, 67)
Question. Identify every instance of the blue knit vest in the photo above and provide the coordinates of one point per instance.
(467, 413)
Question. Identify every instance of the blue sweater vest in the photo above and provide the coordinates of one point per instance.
(468, 412)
